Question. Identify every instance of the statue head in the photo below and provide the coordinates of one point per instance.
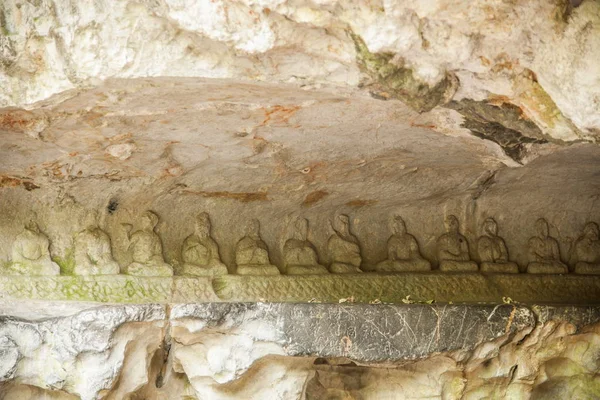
(32, 226)
(149, 220)
(301, 229)
(591, 231)
(91, 219)
(490, 227)
(541, 228)
(451, 223)
(398, 225)
(202, 226)
(253, 229)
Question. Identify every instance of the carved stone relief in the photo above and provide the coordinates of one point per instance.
(453, 249)
(252, 253)
(93, 253)
(544, 253)
(146, 249)
(343, 248)
(299, 254)
(492, 250)
(31, 253)
(200, 253)
(585, 255)
(403, 251)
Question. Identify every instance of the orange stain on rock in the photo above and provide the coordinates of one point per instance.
(9, 181)
(361, 203)
(244, 197)
(18, 119)
(313, 197)
(279, 114)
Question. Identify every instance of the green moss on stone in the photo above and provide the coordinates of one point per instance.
(390, 80)
(66, 263)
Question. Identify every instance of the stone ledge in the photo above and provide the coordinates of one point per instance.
(420, 287)
(360, 288)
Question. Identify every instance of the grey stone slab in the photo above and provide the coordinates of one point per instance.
(367, 332)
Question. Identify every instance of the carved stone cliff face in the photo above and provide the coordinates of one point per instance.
(493, 110)
(274, 152)
(279, 110)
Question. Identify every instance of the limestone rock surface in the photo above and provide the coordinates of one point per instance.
(257, 351)
(537, 56)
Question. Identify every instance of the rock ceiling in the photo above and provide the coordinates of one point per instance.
(538, 56)
(267, 108)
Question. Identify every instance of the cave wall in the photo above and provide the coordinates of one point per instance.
(272, 152)
(256, 351)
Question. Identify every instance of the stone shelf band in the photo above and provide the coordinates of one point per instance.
(92, 252)
(359, 288)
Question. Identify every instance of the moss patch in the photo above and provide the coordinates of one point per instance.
(389, 80)
(66, 263)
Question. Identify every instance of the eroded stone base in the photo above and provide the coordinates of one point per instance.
(257, 270)
(458, 266)
(587, 269)
(420, 287)
(342, 268)
(327, 288)
(306, 270)
(403, 266)
(502, 268)
(198, 270)
(546, 268)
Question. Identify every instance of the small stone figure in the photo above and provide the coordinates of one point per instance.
(343, 248)
(31, 253)
(200, 252)
(252, 253)
(93, 254)
(146, 248)
(403, 251)
(492, 250)
(544, 253)
(299, 254)
(585, 256)
(453, 249)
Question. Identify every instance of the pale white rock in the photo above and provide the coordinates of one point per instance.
(48, 49)
(121, 151)
(82, 354)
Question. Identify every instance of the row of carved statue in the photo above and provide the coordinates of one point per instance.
(200, 252)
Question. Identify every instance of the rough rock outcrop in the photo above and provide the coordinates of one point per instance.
(228, 351)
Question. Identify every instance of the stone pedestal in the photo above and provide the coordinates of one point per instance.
(257, 270)
(501, 268)
(198, 270)
(341, 268)
(32, 269)
(306, 270)
(587, 268)
(458, 266)
(105, 269)
(547, 268)
(139, 269)
(403, 266)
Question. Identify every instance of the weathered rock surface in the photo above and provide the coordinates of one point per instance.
(278, 110)
(299, 351)
(366, 288)
(240, 151)
(537, 55)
